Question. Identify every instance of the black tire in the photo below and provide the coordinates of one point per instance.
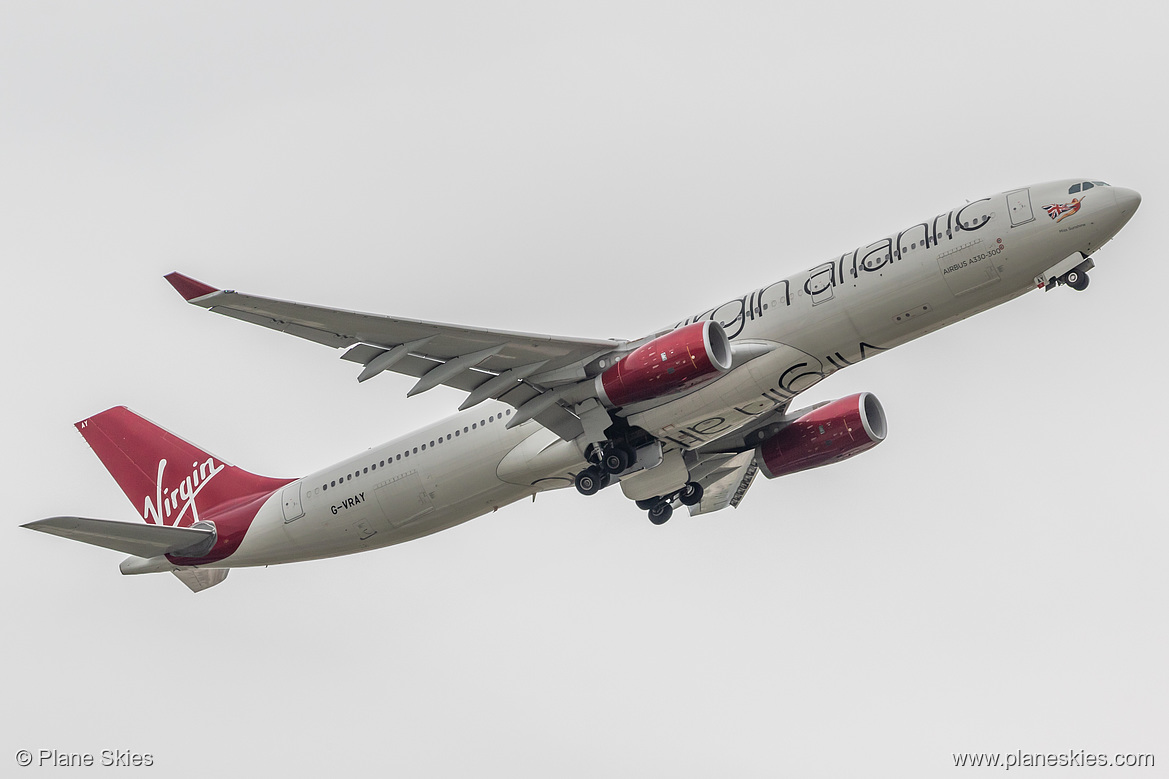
(588, 481)
(646, 505)
(661, 512)
(1077, 280)
(691, 494)
(614, 459)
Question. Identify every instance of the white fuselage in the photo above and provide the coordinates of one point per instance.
(813, 323)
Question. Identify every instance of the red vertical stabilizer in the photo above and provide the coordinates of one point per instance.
(173, 482)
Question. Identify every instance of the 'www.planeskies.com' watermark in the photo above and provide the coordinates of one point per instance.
(1071, 759)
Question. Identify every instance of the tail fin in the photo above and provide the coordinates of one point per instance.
(170, 481)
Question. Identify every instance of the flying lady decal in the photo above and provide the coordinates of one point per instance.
(1059, 211)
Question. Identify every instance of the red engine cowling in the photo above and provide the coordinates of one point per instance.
(825, 435)
(669, 363)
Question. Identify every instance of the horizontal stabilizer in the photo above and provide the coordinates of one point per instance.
(132, 538)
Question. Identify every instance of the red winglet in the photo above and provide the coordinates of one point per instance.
(188, 287)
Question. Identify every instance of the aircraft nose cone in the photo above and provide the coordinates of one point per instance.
(1127, 200)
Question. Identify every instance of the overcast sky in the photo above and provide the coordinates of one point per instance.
(992, 578)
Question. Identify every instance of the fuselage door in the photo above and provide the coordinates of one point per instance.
(821, 283)
(1019, 203)
(290, 501)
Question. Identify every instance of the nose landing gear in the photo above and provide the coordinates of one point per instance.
(1071, 272)
(1076, 279)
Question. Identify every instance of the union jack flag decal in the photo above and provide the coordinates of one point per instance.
(1058, 211)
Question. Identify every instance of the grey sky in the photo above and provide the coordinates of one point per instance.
(992, 578)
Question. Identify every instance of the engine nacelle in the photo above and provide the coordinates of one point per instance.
(669, 363)
(828, 434)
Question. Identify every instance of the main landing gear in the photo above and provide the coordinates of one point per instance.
(661, 509)
(611, 459)
(591, 480)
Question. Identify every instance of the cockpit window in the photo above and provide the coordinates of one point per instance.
(1084, 186)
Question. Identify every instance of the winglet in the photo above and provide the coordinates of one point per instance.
(188, 287)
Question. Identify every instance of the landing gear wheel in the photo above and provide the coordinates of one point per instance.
(646, 505)
(614, 459)
(660, 513)
(588, 481)
(691, 494)
(1077, 280)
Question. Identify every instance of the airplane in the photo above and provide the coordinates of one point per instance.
(688, 415)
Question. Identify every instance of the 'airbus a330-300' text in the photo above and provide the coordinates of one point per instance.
(686, 416)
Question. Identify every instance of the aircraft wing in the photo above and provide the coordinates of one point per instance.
(512, 367)
(727, 485)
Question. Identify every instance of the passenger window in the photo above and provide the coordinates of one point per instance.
(448, 436)
(474, 426)
(365, 470)
(416, 450)
(399, 457)
(424, 447)
(432, 444)
(456, 434)
(464, 429)
(1073, 189)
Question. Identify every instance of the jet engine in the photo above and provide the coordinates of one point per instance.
(828, 434)
(669, 363)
